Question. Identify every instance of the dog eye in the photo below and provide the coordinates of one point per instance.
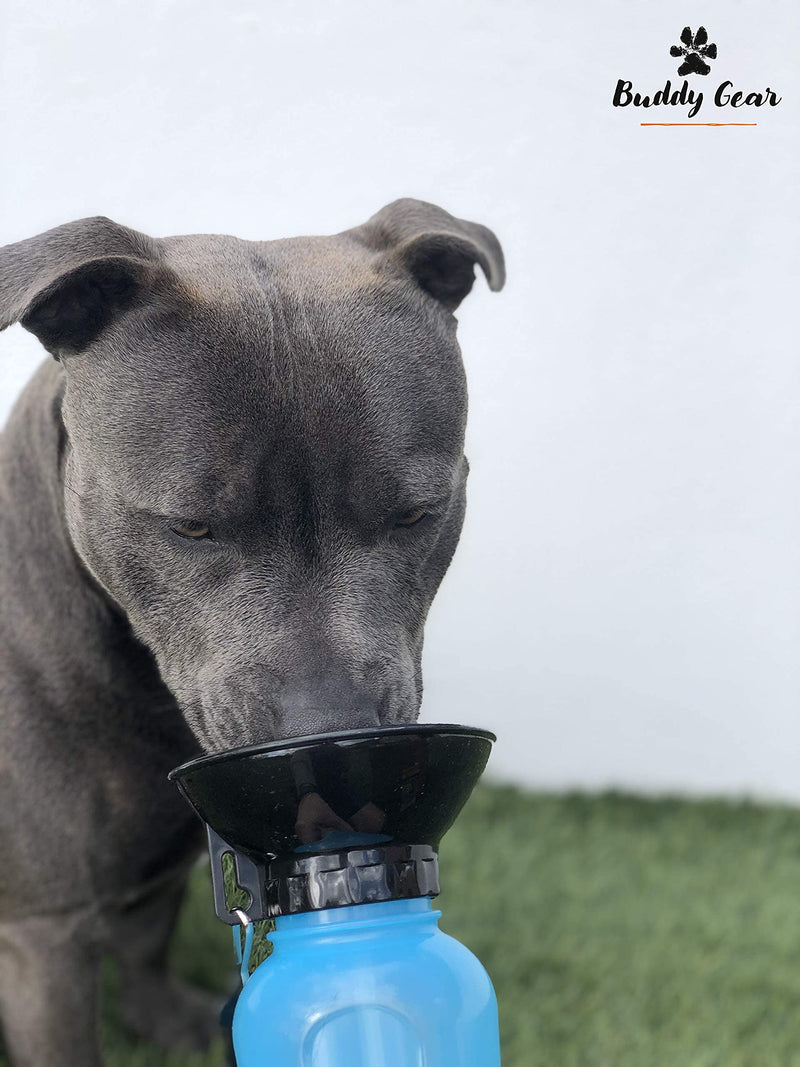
(411, 518)
(195, 530)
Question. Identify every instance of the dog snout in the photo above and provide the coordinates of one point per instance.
(255, 704)
(325, 703)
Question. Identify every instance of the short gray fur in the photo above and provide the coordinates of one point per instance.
(299, 398)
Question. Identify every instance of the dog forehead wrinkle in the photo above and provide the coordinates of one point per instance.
(265, 340)
(216, 268)
(322, 374)
(333, 265)
(212, 468)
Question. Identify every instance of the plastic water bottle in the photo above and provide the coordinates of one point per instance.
(336, 838)
(373, 985)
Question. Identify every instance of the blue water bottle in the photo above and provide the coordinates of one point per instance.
(336, 838)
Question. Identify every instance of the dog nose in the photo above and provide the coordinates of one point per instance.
(322, 704)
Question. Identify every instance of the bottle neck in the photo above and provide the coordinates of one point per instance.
(356, 876)
(357, 915)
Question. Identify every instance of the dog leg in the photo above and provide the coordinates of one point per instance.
(49, 975)
(157, 1005)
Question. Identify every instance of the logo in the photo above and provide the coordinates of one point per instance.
(696, 50)
(696, 53)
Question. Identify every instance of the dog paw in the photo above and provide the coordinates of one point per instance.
(695, 50)
(173, 1015)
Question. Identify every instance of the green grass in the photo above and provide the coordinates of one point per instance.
(619, 932)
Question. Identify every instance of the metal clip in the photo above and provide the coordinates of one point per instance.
(243, 955)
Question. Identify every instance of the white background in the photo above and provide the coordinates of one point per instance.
(625, 605)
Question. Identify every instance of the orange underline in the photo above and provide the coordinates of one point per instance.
(698, 124)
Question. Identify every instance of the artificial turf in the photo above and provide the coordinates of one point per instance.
(618, 931)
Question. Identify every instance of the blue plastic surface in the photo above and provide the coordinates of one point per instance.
(373, 985)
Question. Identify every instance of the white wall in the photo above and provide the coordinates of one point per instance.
(625, 604)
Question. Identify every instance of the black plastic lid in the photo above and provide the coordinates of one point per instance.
(336, 819)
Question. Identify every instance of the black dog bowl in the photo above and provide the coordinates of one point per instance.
(336, 819)
(401, 783)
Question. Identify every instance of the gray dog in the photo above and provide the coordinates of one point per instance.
(225, 508)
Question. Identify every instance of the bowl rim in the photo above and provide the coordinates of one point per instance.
(289, 744)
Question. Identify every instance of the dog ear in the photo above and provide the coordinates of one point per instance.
(69, 283)
(438, 250)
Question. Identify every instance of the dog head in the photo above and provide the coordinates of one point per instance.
(264, 452)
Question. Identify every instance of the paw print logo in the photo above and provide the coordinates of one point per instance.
(695, 50)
